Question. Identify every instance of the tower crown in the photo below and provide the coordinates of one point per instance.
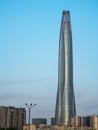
(66, 16)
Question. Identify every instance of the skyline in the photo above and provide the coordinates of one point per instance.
(29, 53)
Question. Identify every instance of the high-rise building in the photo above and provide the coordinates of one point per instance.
(11, 117)
(39, 121)
(65, 102)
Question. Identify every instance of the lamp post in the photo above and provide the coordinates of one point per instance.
(29, 111)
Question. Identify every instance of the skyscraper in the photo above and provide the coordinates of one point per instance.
(65, 102)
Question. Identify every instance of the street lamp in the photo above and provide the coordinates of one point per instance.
(29, 108)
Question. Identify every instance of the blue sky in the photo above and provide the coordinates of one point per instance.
(29, 41)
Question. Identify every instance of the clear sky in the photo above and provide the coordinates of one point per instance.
(29, 41)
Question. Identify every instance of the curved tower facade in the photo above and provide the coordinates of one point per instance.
(65, 102)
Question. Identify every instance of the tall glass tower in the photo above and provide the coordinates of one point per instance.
(65, 102)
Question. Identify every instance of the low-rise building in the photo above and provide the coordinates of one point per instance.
(29, 127)
(56, 127)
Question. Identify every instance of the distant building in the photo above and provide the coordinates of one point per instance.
(53, 121)
(11, 117)
(39, 121)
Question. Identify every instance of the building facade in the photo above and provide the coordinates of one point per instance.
(3, 117)
(65, 102)
(21, 118)
(11, 117)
